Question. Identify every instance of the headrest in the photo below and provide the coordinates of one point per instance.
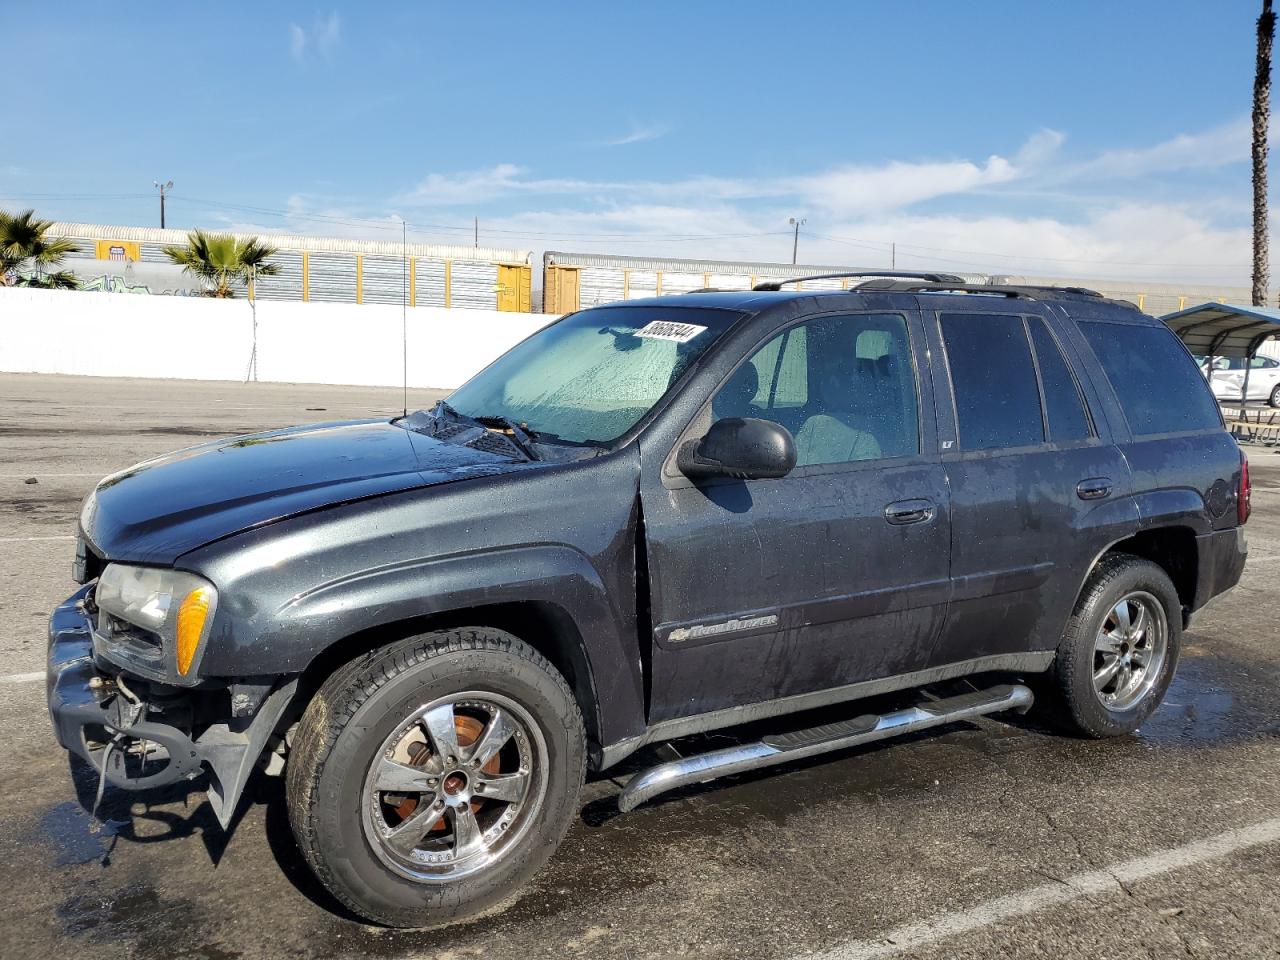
(872, 345)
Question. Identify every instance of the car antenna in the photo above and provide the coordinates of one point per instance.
(404, 311)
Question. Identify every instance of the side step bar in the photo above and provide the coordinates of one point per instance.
(785, 747)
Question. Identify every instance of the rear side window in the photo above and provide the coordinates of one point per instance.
(994, 381)
(1157, 383)
(1064, 407)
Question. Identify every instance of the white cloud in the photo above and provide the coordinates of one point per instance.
(323, 36)
(1040, 149)
(1140, 242)
(837, 191)
(1218, 147)
(328, 33)
(637, 134)
(892, 186)
(1030, 213)
(297, 42)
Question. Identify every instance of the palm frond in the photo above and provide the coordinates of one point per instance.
(24, 243)
(58, 280)
(222, 261)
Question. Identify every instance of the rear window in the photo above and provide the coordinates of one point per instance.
(1155, 379)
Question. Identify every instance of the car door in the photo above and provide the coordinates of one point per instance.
(1038, 490)
(1264, 376)
(832, 575)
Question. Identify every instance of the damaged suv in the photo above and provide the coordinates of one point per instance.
(646, 521)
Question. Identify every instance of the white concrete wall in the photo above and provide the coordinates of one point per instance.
(195, 338)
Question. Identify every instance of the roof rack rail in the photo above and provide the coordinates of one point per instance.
(893, 274)
(1083, 291)
(1014, 290)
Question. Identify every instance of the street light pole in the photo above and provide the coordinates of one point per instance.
(795, 243)
(162, 187)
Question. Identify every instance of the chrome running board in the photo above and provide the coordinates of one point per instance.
(785, 747)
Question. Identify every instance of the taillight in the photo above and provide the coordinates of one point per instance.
(1244, 495)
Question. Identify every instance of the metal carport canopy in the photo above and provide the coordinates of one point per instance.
(1224, 329)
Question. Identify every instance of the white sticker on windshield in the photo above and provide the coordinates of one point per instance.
(670, 330)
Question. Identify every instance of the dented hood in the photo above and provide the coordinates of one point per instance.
(160, 509)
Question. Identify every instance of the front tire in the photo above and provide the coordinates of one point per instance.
(1119, 651)
(430, 779)
(1274, 399)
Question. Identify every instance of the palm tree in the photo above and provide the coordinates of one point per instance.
(28, 257)
(221, 260)
(1261, 120)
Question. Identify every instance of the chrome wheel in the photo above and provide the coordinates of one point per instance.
(1130, 651)
(455, 786)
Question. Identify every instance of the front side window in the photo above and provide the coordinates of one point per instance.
(590, 377)
(1155, 380)
(993, 379)
(844, 386)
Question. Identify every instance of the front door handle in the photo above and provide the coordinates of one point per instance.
(909, 511)
(1095, 488)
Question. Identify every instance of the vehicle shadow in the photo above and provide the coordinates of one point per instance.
(118, 816)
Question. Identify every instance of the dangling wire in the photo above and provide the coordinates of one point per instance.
(97, 824)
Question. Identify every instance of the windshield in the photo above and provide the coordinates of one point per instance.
(590, 377)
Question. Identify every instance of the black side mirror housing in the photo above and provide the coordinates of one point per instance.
(744, 448)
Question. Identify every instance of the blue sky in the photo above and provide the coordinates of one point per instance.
(1101, 139)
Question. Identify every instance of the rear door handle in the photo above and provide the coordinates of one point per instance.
(1095, 488)
(909, 511)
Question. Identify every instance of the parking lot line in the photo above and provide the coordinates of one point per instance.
(35, 539)
(915, 936)
(23, 677)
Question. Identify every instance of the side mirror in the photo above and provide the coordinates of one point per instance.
(744, 448)
(1221, 363)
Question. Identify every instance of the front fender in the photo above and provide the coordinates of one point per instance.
(560, 537)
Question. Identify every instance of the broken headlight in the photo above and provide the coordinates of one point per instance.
(174, 605)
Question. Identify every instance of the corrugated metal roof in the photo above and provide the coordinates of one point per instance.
(723, 267)
(286, 241)
(1224, 329)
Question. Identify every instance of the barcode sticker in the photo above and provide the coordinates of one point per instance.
(670, 330)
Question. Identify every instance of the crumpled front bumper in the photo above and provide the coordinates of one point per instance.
(87, 708)
(82, 700)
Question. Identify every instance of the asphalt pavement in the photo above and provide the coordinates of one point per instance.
(987, 839)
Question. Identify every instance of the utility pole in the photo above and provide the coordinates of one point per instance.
(893, 255)
(162, 187)
(477, 238)
(252, 372)
(795, 243)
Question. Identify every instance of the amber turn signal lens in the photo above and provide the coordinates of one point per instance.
(191, 616)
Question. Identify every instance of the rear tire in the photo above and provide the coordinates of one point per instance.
(432, 778)
(1274, 399)
(1119, 651)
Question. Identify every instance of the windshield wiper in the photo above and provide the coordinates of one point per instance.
(520, 435)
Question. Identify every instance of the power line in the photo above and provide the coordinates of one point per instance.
(394, 225)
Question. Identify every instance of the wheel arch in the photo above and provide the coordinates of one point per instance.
(545, 626)
(1174, 548)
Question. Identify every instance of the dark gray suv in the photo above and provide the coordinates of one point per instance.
(646, 521)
